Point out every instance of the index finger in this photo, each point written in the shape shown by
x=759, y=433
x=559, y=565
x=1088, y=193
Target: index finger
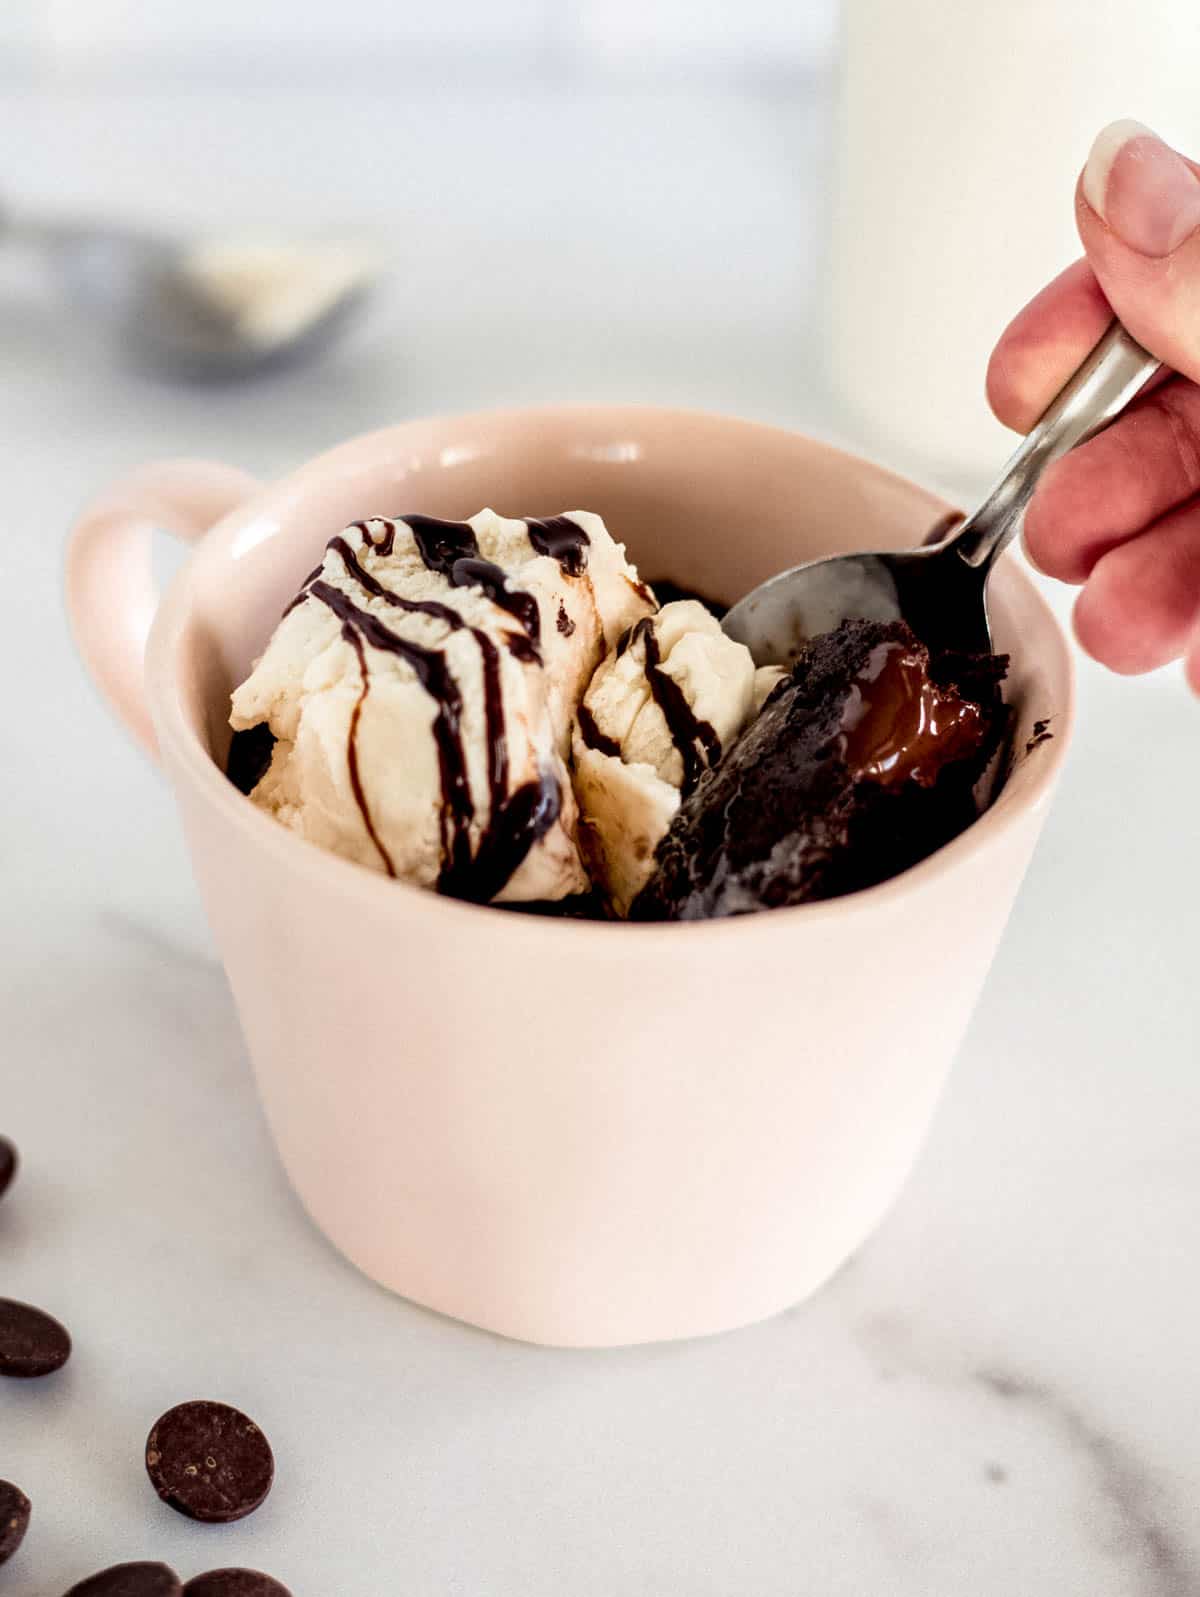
x=1044, y=343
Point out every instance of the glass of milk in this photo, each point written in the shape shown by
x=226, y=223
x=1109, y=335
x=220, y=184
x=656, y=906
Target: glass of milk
x=962, y=127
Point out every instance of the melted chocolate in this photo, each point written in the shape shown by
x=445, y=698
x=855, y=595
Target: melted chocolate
x=457, y=809
x=898, y=724
x=451, y=549
x=787, y=818
x=517, y=821
x=303, y=594
x=425, y=607
x=360, y=797
x=696, y=740
x=592, y=735
x=520, y=822
x=386, y=541
x=497, y=734
x=473, y=572
x=384, y=544
x=441, y=543
x=497, y=738
x=563, y=540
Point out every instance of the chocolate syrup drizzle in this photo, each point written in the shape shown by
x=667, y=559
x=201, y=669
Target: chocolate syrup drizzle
x=522, y=820
x=304, y=587
x=451, y=549
x=563, y=540
x=497, y=738
x=697, y=740
x=457, y=808
x=386, y=542
x=360, y=797
x=425, y=607
x=592, y=735
x=517, y=821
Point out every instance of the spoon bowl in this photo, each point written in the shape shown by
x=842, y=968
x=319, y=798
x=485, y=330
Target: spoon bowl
x=933, y=589
x=216, y=311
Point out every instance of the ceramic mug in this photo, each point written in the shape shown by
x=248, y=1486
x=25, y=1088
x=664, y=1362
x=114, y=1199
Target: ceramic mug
x=574, y=1133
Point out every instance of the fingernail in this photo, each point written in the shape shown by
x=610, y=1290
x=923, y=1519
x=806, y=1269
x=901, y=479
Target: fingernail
x=1147, y=194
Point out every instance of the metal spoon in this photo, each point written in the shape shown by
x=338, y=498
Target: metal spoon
x=940, y=590
x=200, y=310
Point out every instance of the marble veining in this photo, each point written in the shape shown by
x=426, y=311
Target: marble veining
x=1136, y=1521
x=1143, y=1527
x=146, y=937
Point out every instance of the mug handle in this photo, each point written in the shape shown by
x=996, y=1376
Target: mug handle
x=110, y=592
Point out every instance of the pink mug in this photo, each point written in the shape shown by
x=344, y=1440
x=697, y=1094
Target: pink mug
x=573, y=1133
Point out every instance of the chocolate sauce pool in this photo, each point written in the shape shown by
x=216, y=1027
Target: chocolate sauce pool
x=898, y=723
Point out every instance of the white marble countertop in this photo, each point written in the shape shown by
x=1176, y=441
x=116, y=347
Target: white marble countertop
x=996, y=1397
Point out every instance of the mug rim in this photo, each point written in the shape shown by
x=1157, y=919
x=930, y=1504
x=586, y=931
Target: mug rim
x=328, y=871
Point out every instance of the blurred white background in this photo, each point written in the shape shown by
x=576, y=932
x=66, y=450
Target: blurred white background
x=707, y=230
x=579, y=199
x=100, y=35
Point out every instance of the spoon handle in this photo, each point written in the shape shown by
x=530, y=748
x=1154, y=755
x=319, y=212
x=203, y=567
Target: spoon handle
x=1096, y=394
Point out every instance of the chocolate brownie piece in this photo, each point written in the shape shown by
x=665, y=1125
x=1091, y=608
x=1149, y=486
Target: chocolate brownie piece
x=861, y=763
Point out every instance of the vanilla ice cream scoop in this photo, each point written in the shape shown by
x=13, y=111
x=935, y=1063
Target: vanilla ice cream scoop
x=660, y=711
x=422, y=689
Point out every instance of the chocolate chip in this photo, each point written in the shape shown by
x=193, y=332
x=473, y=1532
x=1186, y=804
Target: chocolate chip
x=209, y=1462
x=31, y=1343
x=234, y=1583
x=14, y=1519
x=130, y=1580
x=8, y=1164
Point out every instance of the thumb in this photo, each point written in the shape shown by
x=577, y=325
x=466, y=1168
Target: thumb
x=1138, y=213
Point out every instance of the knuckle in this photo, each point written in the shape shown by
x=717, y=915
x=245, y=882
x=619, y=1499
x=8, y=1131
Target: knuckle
x=1180, y=411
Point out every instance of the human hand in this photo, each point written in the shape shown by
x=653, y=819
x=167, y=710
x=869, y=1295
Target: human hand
x=1121, y=514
